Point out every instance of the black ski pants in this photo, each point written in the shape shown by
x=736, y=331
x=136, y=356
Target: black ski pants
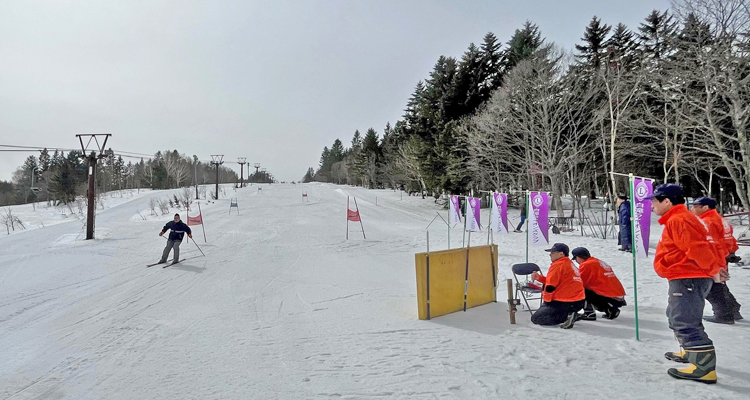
x=555, y=312
x=687, y=297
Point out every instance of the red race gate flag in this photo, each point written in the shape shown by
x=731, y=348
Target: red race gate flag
x=353, y=215
x=197, y=221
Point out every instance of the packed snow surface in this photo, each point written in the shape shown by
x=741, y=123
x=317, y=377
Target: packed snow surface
x=283, y=307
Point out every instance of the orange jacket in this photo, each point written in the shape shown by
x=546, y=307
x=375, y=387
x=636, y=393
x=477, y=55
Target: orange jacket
x=685, y=250
x=598, y=277
x=724, y=231
x=716, y=229
x=563, y=275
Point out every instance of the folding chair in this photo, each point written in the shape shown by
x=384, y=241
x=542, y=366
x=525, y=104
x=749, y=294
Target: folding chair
x=527, y=291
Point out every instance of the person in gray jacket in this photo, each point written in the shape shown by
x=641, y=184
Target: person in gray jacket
x=179, y=229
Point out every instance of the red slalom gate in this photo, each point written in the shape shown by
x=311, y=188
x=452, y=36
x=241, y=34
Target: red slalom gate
x=197, y=220
x=353, y=215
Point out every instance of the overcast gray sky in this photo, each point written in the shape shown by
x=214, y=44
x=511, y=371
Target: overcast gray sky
x=273, y=81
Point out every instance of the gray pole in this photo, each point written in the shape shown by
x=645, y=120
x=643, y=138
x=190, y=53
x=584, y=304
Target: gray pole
x=91, y=195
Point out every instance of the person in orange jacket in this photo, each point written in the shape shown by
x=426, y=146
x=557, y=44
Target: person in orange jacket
x=725, y=306
x=688, y=259
x=604, y=292
x=563, y=293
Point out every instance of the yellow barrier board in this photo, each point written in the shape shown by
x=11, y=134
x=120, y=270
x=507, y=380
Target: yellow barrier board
x=447, y=272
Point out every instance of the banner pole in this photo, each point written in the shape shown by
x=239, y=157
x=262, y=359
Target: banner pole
x=466, y=283
x=449, y=228
x=633, y=248
x=466, y=214
x=528, y=199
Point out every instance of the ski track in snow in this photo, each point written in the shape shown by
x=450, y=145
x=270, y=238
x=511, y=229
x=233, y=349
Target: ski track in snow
x=283, y=307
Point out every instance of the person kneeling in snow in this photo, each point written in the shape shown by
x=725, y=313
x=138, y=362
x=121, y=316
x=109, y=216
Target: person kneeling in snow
x=604, y=292
x=563, y=293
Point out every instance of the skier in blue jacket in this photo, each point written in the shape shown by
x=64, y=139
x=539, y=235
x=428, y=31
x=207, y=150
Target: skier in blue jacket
x=179, y=229
x=623, y=219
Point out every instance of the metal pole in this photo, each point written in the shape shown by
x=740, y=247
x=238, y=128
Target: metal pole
x=360, y=219
x=632, y=246
x=466, y=211
x=428, y=274
x=91, y=199
x=203, y=225
x=195, y=174
x=217, y=181
x=466, y=283
x=528, y=200
x=347, y=217
x=449, y=231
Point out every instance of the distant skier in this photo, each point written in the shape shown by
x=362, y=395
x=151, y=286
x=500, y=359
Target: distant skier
x=623, y=219
x=175, y=238
x=523, y=216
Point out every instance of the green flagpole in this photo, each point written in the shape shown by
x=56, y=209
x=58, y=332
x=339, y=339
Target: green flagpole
x=633, y=249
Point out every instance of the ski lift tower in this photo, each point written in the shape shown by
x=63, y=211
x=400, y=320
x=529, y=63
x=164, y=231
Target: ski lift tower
x=217, y=159
x=242, y=161
x=93, y=157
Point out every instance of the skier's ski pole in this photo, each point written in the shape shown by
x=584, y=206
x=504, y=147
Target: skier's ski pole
x=199, y=248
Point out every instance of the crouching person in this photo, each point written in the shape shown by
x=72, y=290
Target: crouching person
x=563, y=292
x=604, y=292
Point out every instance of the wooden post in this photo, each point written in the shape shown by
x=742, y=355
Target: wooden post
x=511, y=302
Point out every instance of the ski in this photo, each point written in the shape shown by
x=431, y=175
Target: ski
x=169, y=265
x=151, y=265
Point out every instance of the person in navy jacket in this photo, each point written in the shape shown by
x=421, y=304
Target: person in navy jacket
x=179, y=229
x=625, y=239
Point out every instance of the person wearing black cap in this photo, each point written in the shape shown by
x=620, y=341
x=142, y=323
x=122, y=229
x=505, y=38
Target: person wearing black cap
x=179, y=229
x=563, y=293
x=624, y=239
x=689, y=261
x=725, y=306
x=604, y=292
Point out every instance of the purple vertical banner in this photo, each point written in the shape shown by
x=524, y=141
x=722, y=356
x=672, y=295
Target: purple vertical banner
x=642, y=189
x=499, y=213
x=539, y=219
x=472, y=215
x=455, y=213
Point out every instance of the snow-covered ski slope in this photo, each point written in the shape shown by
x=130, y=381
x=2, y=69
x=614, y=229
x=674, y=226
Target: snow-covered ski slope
x=282, y=307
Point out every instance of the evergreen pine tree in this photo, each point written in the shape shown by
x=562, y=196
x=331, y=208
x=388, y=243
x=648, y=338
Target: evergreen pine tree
x=522, y=45
x=593, y=48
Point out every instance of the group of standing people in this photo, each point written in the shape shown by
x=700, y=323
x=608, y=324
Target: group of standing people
x=693, y=255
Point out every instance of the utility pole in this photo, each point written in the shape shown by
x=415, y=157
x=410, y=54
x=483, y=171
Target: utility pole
x=257, y=166
x=242, y=161
x=195, y=178
x=93, y=157
x=217, y=160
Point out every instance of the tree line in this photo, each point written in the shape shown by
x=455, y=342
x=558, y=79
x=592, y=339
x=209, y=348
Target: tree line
x=60, y=177
x=669, y=100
